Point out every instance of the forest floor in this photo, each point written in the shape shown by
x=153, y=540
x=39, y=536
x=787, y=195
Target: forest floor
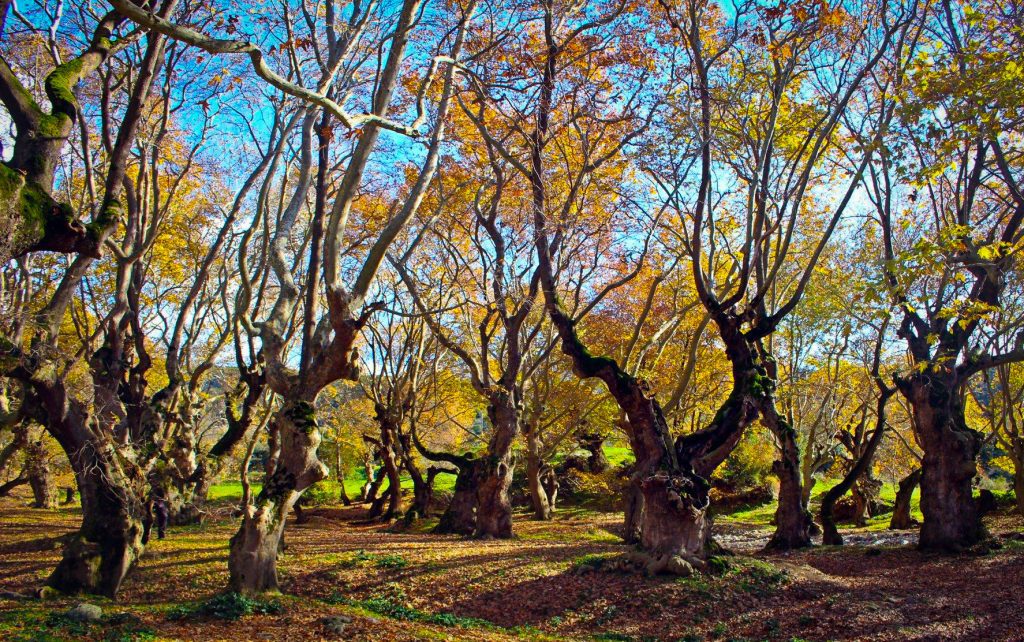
x=419, y=586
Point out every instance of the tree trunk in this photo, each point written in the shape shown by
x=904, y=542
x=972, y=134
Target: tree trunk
x=593, y=443
x=549, y=483
x=901, y=519
x=252, y=560
x=393, y=471
x=494, y=508
x=460, y=516
x=339, y=473
x=364, y=492
x=792, y=519
x=1018, y=487
x=634, y=510
x=371, y=489
x=423, y=493
x=538, y=496
x=861, y=504
x=675, y=521
x=40, y=477
x=97, y=557
x=8, y=486
x=952, y=521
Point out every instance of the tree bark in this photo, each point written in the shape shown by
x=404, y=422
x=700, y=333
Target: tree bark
x=494, y=508
x=633, y=509
x=542, y=508
x=460, y=516
x=339, y=473
x=252, y=560
x=393, y=470
x=952, y=521
x=594, y=444
x=901, y=519
x=97, y=557
x=1018, y=488
x=40, y=478
x=792, y=519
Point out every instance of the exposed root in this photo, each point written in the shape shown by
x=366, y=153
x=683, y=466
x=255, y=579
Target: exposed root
x=648, y=564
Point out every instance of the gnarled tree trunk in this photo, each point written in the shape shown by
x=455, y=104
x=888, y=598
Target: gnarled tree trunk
x=494, y=508
x=792, y=519
x=252, y=560
x=539, y=499
x=593, y=443
x=460, y=516
x=97, y=557
x=952, y=521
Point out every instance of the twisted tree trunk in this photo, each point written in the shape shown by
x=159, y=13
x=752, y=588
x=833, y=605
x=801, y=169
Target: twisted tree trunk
x=494, y=508
x=792, y=519
x=539, y=499
x=830, y=534
x=952, y=521
x=109, y=541
x=252, y=560
x=40, y=478
x=460, y=516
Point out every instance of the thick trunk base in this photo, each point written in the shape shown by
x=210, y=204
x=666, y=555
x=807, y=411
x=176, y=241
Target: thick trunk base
x=98, y=557
x=252, y=561
x=675, y=521
x=460, y=516
x=494, y=508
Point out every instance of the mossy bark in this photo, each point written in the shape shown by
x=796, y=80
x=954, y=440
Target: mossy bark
x=494, y=507
x=97, y=558
x=253, y=551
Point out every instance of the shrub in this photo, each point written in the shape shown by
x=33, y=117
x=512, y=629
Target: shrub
x=321, y=493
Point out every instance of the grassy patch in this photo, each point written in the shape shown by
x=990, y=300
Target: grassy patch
x=44, y=625
x=591, y=560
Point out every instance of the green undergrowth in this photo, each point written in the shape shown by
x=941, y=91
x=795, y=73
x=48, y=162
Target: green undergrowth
x=382, y=561
x=762, y=515
x=43, y=624
x=392, y=602
x=591, y=560
x=226, y=606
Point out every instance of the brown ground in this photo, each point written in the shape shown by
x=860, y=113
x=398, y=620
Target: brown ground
x=526, y=588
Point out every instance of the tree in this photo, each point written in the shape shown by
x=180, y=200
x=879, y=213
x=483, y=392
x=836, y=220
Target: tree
x=948, y=244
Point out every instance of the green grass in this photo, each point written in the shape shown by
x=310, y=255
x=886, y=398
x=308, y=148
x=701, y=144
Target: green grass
x=618, y=455
x=230, y=490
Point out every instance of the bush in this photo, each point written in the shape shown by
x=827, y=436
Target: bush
x=750, y=463
x=321, y=493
